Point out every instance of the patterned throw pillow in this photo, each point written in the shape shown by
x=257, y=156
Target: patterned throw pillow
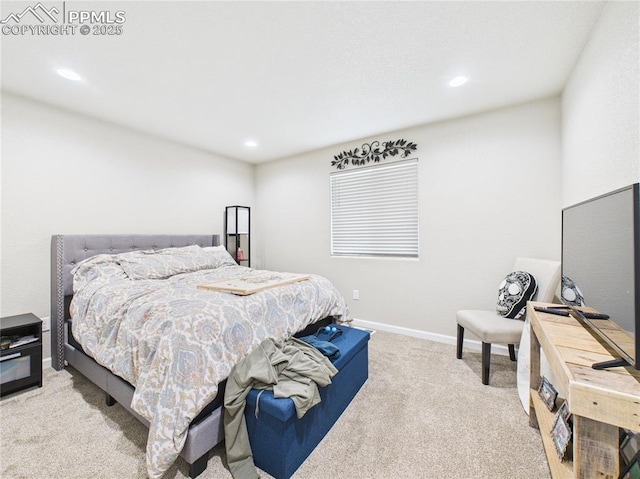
x=514, y=292
x=221, y=255
x=570, y=292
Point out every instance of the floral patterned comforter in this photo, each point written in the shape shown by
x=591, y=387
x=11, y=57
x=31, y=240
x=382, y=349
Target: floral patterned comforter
x=142, y=316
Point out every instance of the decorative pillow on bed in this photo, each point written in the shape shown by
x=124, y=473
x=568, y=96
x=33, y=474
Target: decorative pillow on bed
x=165, y=262
x=514, y=292
x=222, y=256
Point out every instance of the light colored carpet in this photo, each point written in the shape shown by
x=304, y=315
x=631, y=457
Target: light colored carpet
x=422, y=414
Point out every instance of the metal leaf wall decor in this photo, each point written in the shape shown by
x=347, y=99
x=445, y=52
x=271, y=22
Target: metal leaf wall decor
x=374, y=151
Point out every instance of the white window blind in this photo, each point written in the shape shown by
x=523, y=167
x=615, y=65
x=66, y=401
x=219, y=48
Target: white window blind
x=374, y=210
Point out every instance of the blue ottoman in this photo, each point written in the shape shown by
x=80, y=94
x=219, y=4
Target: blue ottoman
x=280, y=442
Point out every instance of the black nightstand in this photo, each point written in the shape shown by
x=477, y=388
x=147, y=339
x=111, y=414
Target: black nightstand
x=21, y=353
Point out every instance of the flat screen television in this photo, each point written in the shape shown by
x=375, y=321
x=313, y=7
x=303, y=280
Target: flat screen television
x=601, y=269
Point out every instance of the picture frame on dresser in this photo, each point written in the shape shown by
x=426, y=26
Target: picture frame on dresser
x=629, y=450
x=561, y=435
x=632, y=469
x=548, y=394
x=563, y=411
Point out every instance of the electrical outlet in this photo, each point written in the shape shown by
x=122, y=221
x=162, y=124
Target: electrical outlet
x=46, y=323
x=356, y=294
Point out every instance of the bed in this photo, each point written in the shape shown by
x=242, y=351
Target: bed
x=73, y=342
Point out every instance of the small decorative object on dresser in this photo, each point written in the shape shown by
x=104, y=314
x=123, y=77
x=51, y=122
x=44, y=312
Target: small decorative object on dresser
x=237, y=227
x=21, y=353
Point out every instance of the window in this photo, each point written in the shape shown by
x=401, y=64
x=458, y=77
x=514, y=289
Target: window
x=374, y=210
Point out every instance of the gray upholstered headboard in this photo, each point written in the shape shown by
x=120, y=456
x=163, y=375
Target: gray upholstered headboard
x=68, y=250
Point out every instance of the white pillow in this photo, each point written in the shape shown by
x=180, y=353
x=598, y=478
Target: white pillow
x=165, y=262
x=221, y=255
x=214, y=248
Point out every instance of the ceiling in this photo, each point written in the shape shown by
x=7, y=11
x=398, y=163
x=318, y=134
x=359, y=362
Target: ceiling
x=296, y=76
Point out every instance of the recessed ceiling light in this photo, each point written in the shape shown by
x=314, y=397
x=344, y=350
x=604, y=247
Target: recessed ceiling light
x=458, y=81
x=251, y=143
x=68, y=74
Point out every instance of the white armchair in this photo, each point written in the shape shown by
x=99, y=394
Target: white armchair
x=491, y=328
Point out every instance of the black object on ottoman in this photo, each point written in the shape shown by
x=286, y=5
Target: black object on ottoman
x=280, y=442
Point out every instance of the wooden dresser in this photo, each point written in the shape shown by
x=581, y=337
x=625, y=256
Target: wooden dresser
x=601, y=401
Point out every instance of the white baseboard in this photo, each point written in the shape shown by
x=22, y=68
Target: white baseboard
x=46, y=363
x=440, y=338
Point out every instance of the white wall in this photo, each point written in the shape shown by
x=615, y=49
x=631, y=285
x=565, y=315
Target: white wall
x=63, y=173
x=601, y=109
x=489, y=191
